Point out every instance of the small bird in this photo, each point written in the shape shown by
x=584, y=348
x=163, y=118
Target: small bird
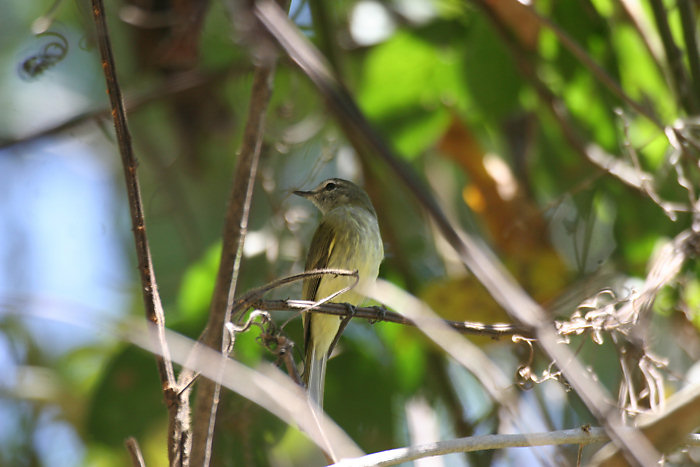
x=347, y=238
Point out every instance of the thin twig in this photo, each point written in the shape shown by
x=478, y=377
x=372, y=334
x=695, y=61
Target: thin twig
x=376, y=314
x=630, y=176
x=632, y=9
x=325, y=31
x=235, y=228
x=474, y=254
x=582, y=436
x=667, y=428
x=674, y=56
x=666, y=265
x=132, y=447
x=587, y=61
x=688, y=19
x=245, y=301
x=178, y=430
x=265, y=385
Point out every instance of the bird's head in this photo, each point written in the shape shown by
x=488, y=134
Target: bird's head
x=336, y=192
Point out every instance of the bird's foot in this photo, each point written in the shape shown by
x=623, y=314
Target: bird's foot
x=381, y=313
x=350, y=310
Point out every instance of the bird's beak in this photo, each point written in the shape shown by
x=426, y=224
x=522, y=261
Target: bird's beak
x=304, y=194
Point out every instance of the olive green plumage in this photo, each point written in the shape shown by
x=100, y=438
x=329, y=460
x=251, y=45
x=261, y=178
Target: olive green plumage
x=347, y=238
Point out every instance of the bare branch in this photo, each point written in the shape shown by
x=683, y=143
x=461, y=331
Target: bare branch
x=630, y=176
x=667, y=430
x=600, y=74
x=626, y=322
x=235, y=229
x=265, y=385
x=633, y=175
x=665, y=266
x=132, y=446
x=374, y=314
x=581, y=436
x=178, y=430
x=688, y=15
x=674, y=57
x=635, y=14
x=254, y=295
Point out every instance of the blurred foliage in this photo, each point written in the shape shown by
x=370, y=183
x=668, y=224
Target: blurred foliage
x=464, y=91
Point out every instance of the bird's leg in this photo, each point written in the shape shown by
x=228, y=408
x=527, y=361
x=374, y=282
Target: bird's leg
x=351, y=311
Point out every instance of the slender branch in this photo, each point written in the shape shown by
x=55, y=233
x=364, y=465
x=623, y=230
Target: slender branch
x=266, y=385
x=587, y=61
x=253, y=299
x=633, y=177
x=178, y=430
x=325, y=30
x=581, y=436
x=246, y=300
x=375, y=314
x=473, y=253
x=674, y=56
x=132, y=446
x=632, y=10
x=688, y=19
x=667, y=264
x=668, y=429
x=235, y=229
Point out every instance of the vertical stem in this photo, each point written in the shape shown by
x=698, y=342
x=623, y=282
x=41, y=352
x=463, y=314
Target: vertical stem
x=690, y=35
x=132, y=446
x=178, y=433
x=235, y=228
x=323, y=26
x=674, y=56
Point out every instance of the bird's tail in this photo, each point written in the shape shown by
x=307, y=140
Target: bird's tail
x=315, y=374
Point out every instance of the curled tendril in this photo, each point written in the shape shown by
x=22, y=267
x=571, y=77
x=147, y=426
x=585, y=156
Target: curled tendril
x=49, y=54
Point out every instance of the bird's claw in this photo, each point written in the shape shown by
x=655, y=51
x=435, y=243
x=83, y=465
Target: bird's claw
x=381, y=313
x=351, y=310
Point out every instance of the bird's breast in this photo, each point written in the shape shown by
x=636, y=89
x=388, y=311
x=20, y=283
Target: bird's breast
x=357, y=246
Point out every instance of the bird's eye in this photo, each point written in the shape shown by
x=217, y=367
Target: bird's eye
x=330, y=186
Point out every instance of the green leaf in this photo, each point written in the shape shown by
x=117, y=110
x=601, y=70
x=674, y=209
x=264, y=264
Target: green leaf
x=408, y=85
x=198, y=284
x=492, y=79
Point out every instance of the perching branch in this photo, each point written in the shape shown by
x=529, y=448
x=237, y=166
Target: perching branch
x=246, y=301
x=254, y=299
x=178, y=430
x=374, y=314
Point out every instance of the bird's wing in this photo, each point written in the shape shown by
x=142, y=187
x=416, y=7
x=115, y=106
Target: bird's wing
x=318, y=258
